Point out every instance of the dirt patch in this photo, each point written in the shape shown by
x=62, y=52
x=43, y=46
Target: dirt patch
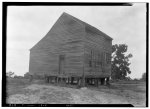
x=50, y=94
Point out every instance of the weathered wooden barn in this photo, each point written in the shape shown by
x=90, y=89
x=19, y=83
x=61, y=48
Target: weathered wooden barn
x=72, y=52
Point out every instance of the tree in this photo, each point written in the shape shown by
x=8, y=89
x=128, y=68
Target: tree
x=143, y=76
x=9, y=74
x=128, y=78
x=27, y=75
x=120, y=61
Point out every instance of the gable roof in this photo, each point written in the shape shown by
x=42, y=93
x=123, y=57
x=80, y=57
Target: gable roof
x=88, y=25
x=82, y=23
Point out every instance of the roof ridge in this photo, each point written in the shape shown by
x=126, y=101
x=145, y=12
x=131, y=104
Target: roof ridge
x=76, y=19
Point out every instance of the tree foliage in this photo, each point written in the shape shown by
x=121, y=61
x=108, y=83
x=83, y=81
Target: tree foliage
x=10, y=74
x=27, y=75
x=143, y=76
x=120, y=61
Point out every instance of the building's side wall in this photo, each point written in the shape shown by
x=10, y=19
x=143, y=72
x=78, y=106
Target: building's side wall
x=96, y=47
x=65, y=38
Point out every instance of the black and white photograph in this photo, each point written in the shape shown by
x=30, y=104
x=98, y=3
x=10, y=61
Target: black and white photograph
x=76, y=54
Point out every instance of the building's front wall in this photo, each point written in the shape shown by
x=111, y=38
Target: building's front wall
x=97, y=49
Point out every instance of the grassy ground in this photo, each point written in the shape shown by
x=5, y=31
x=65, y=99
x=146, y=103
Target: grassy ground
x=122, y=92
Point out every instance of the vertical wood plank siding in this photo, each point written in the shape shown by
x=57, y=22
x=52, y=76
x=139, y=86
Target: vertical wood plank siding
x=95, y=47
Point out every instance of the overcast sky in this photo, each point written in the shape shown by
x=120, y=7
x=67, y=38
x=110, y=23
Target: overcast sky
x=26, y=25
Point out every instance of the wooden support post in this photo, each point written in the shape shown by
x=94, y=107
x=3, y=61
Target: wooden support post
x=45, y=79
x=83, y=82
x=99, y=82
x=56, y=79
x=72, y=80
x=107, y=81
x=96, y=81
x=92, y=81
x=79, y=82
x=68, y=80
x=87, y=81
x=53, y=79
x=104, y=81
x=59, y=79
x=49, y=79
x=63, y=80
